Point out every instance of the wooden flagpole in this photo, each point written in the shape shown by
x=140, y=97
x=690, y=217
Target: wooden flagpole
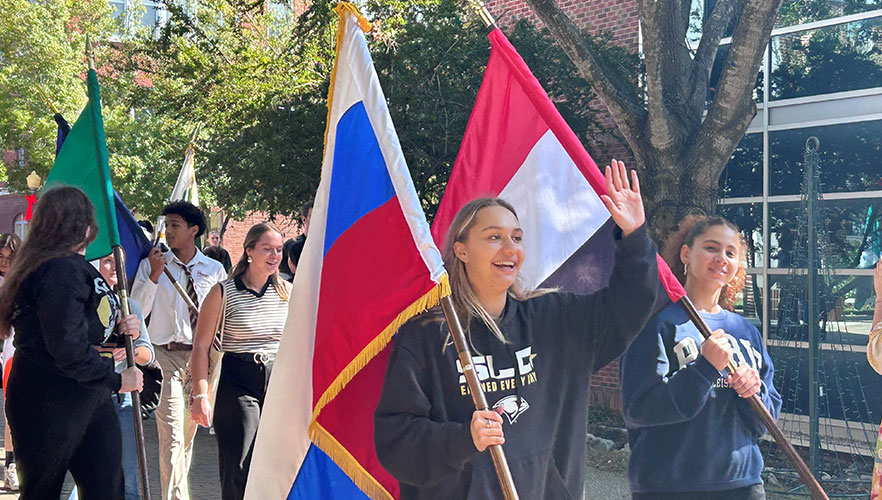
x=503, y=474
x=123, y=293
x=756, y=403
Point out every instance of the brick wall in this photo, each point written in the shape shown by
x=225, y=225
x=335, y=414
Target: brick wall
x=619, y=18
x=234, y=236
x=11, y=207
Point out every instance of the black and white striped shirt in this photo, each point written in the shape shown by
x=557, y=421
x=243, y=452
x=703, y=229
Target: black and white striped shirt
x=254, y=320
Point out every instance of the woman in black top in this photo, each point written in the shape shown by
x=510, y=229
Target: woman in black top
x=534, y=352
x=58, y=404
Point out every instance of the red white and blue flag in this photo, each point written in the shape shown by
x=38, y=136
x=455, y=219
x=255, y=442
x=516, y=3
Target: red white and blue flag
x=368, y=265
x=518, y=147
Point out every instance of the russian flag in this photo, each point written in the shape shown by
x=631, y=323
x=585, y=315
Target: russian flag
x=518, y=147
x=368, y=265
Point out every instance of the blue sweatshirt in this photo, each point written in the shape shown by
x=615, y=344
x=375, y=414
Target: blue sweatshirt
x=687, y=429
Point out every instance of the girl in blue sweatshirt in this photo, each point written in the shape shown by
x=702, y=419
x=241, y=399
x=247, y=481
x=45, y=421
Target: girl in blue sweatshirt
x=692, y=433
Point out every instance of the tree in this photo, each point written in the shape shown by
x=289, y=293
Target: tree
x=256, y=80
x=681, y=134
x=42, y=51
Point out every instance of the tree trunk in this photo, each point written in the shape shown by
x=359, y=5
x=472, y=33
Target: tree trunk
x=674, y=194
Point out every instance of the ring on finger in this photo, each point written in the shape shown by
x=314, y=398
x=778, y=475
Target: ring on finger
x=489, y=423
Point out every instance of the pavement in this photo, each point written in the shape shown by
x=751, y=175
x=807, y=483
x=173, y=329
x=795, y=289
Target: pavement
x=204, y=481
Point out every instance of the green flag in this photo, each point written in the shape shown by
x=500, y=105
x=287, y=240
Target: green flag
x=82, y=162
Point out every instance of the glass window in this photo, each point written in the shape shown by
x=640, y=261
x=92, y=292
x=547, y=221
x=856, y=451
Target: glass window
x=748, y=217
x=822, y=61
x=844, y=313
x=806, y=11
x=850, y=157
x=151, y=15
x=851, y=239
x=743, y=175
x=118, y=7
x=748, y=302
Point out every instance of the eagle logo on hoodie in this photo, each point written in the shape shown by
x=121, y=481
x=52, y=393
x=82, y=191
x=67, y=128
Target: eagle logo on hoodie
x=511, y=407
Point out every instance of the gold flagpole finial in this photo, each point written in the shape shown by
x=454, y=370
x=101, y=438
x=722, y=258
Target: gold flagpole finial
x=47, y=101
x=89, y=53
x=483, y=13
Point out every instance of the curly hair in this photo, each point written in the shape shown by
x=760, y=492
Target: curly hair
x=685, y=232
x=189, y=212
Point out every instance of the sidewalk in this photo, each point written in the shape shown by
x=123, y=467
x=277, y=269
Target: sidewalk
x=204, y=482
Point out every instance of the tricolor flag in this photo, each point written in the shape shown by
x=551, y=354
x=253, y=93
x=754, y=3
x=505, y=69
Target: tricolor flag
x=368, y=265
x=518, y=147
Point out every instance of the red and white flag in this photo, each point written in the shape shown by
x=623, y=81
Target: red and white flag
x=518, y=147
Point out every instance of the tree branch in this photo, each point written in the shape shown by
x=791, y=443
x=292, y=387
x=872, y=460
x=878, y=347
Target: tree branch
x=712, y=32
x=622, y=104
x=733, y=107
x=670, y=119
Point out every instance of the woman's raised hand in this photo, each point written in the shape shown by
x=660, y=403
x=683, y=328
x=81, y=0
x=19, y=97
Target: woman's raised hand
x=623, y=197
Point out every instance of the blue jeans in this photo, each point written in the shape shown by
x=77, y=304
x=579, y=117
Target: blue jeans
x=123, y=407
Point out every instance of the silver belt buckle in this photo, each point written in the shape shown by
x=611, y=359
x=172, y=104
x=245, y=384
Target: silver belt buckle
x=261, y=358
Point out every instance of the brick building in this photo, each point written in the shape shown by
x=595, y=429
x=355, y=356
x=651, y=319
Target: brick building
x=234, y=234
x=12, y=211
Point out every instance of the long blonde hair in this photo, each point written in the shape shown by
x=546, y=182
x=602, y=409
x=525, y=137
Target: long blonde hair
x=465, y=300
x=254, y=234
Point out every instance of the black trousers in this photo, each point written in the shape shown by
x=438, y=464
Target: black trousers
x=59, y=425
x=755, y=492
x=240, y=395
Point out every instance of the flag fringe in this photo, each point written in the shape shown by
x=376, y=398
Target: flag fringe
x=427, y=301
x=347, y=463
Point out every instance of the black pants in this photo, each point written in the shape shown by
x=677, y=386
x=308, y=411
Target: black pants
x=59, y=425
x=755, y=492
x=240, y=394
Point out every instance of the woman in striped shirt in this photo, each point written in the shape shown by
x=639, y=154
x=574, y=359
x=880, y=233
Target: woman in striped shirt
x=254, y=305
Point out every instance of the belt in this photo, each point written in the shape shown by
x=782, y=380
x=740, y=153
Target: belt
x=177, y=346
x=260, y=358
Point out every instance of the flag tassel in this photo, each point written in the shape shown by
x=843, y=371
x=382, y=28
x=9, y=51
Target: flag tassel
x=424, y=303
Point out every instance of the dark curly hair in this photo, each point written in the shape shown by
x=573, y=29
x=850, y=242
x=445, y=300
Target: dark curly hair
x=685, y=232
x=189, y=212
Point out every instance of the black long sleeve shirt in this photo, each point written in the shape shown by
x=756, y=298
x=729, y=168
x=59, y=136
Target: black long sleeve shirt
x=62, y=309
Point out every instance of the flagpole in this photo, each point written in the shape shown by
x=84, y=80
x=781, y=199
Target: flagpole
x=503, y=474
x=123, y=293
x=757, y=404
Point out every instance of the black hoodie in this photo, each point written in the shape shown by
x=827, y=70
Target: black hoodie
x=540, y=379
x=62, y=309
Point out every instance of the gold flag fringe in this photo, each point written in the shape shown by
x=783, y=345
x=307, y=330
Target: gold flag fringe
x=427, y=301
x=347, y=463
